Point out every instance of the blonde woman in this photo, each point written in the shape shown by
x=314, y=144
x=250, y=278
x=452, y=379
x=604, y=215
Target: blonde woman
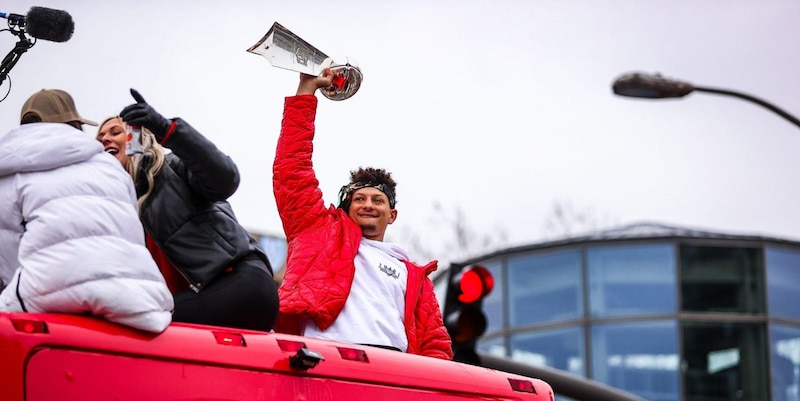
x=216, y=270
x=54, y=256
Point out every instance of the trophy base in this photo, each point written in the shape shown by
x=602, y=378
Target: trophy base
x=346, y=82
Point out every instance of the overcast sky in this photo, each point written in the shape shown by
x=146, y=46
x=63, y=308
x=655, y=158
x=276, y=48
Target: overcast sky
x=499, y=108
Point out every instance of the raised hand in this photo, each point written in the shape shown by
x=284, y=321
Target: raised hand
x=309, y=83
x=141, y=113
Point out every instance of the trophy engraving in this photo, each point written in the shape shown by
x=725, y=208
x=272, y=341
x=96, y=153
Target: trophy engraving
x=284, y=49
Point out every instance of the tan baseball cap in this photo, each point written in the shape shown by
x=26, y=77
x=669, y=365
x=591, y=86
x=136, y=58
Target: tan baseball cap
x=53, y=106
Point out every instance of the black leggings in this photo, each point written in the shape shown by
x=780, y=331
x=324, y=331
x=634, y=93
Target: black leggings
x=245, y=298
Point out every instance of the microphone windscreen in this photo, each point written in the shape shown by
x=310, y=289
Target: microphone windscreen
x=49, y=24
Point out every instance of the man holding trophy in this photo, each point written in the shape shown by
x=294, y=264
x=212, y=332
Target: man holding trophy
x=342, y=281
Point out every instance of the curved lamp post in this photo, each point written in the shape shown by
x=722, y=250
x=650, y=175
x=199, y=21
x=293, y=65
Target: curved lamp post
x=654, y=86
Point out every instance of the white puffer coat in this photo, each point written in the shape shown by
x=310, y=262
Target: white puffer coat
x=70, y=237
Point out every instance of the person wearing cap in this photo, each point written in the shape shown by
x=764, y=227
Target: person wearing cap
x=52, y=105
x=70, y=238
x=218, y=273
x=343, y=281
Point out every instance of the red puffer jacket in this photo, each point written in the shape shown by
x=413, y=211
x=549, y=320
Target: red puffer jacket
x=323, y=243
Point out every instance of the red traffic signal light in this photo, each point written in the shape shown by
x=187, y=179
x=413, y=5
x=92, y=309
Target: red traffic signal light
x=475, y=283
x=463, y=314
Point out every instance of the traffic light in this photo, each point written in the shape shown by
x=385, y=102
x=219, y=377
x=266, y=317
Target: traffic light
x=463, y=313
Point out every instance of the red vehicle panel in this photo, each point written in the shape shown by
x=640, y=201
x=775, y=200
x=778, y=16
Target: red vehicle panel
x=53, y=356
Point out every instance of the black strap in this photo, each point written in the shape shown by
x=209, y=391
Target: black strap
x=19, y=297
x=389, y=347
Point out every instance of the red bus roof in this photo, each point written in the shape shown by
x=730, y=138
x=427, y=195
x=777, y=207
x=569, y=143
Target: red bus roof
x=55, y=356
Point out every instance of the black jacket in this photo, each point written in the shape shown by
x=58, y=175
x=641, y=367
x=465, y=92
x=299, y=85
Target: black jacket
x=187, y=214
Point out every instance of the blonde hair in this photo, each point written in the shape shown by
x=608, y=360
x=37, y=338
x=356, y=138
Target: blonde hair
x=150, y=146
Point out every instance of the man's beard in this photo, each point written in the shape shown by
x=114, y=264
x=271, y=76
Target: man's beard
x=368, y=227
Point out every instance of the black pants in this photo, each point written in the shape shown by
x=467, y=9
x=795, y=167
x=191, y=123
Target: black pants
x=245, y=298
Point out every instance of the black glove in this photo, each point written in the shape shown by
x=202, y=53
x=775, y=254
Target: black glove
x=141, y=113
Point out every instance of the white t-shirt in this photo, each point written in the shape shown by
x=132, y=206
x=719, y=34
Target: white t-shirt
x=373, y=313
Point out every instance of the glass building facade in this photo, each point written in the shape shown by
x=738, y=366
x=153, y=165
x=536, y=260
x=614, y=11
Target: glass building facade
x=666, y=313
x=275, y=247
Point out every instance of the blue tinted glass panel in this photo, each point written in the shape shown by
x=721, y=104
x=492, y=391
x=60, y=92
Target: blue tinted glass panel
x=640, y=358
x=722, y=279
x=440, y=288
x=560, y=348
x=724, y=361
x=276, y=249
x=544, y=288
x=494, y=346
x=632, y=280
x=783, y=282
x=785, y=349
x=493, y=303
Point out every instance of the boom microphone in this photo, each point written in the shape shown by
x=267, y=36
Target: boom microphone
x=40, y=23
x=49, y=24
x=44, y=23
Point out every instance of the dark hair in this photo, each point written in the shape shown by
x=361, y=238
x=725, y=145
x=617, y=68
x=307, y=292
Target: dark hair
x=373, y=176
x=368, y=177
x=30, y=118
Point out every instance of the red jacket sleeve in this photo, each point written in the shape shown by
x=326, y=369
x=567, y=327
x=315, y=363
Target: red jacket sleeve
x=294, y=183
x=434, y=339
x=322, y=242
x=424, y=326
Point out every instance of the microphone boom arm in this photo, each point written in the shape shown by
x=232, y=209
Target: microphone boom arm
x=14, y=55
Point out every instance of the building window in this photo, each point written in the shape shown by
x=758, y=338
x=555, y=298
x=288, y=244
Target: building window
x=783, y=276
x=440, y=287
x=493, y=303
x=785, y=351
x=725, y=361
x=640, y=358
x=494, y=346
x=632, y=280
x=544, y=288
x=715, y=279
x=275, y=248
x=560, y=348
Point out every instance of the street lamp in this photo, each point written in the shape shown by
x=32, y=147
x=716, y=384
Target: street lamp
x=654, y=86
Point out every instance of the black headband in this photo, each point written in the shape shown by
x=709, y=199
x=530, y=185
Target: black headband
x=346, y=193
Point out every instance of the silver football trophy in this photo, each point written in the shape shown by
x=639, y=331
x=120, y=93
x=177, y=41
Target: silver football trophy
x=283, y=49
